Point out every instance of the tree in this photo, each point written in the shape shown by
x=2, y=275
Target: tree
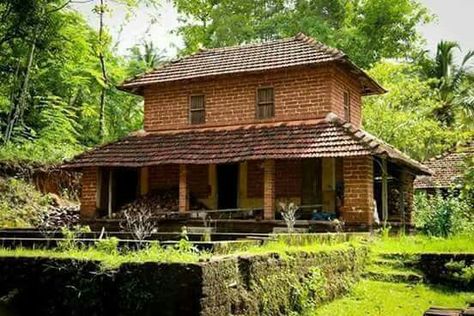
x=143, y=58
x=101, y=8
x=453, y=92
x=33, y=28
x=403, y=117
x=64, y=77
x=367, y=30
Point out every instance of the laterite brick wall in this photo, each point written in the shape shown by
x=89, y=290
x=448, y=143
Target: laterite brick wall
x=198, y=179
x=255, y=179
x=358, y=189
x=167, y=176
x=300, y=94
x=407, y=179
x=342, y=83
x=163, y=177
x=88, y=192
x=288, y=177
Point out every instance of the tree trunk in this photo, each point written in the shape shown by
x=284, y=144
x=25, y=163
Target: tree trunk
x=102, y=115
x=18, y=108
x=104, y=72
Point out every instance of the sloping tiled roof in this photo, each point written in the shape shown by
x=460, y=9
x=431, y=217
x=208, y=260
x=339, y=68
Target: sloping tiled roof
x=327, y=137
x=446, y=168
x=284, y=53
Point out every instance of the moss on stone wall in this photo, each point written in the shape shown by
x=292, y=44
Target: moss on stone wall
x=266, y=284
x=276, y=284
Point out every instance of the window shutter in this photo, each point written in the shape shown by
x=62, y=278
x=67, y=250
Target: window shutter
x=265, y=103
x=197, y=109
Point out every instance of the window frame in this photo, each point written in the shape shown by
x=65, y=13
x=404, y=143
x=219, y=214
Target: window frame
x=347, y=107
x=258, y=104
x=191, y=110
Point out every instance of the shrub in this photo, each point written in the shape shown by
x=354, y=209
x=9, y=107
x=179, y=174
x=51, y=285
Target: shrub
x=20, y=203
x=443, y=215
x=70, y=237
x=108, y=245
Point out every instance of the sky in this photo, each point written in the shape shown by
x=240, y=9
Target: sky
x=454, y=21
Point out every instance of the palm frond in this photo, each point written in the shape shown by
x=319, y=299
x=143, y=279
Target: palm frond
x=467, y=57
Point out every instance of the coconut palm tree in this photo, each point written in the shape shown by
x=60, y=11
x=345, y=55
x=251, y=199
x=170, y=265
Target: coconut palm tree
x=453, y=90
x=145, y=57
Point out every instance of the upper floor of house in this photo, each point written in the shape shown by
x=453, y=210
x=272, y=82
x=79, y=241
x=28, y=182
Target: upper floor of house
x=292, y=79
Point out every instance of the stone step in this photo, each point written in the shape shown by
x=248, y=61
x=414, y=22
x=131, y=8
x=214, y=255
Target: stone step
x=393, y=275
x=393, y=263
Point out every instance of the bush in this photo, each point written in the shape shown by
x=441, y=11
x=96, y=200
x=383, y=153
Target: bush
x=443, y=216
x=20, y=203
x=108, y=245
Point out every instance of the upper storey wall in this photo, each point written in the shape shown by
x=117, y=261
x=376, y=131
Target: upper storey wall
x=299, y=94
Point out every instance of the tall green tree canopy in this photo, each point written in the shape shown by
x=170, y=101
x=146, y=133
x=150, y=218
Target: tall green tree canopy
x=404, y=116
x=367, y=30
x=51, y=81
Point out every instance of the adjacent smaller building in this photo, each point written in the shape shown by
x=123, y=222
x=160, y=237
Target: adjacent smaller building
x=447, y=169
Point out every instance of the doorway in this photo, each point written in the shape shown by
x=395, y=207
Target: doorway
x=312, y=182
x=227, y=186
x=126, y=186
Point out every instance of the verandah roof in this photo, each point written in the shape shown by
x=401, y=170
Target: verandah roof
x=328, y=137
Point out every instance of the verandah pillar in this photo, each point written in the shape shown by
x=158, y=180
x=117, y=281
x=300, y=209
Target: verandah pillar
x=358, y=173
x=90, y=193
x=269, y=189
x=144, y=180
x=183, y=189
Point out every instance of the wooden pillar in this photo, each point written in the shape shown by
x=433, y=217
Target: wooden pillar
x=144, y=182
x=269, y=189
x=110, y=193
x=242, y=202
x=384, y=191
x=213, y=186
x=183, y=189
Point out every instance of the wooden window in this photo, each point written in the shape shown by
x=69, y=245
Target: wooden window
x=265, y=103
x=197, y=112
x=347, y=106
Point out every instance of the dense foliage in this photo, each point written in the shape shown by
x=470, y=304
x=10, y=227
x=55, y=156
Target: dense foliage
x=404, y=116
x=444, y=216
x=20, y=205
x=366, y=30
x=52, y=81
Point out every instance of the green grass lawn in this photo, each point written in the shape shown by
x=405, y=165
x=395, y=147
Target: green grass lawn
x=370, y=298
x=423, y=244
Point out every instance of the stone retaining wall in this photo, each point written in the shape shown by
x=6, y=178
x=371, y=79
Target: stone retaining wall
x=451, y=269
x=267, y=284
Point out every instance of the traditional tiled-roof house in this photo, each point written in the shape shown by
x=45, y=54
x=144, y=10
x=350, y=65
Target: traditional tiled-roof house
x=447, y=169
x=245, y=127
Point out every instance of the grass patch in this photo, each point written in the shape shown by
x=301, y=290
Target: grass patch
x=423, y=244
x=183, y=252
x=281, y=247
x=111, y=260
x=385, y=298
